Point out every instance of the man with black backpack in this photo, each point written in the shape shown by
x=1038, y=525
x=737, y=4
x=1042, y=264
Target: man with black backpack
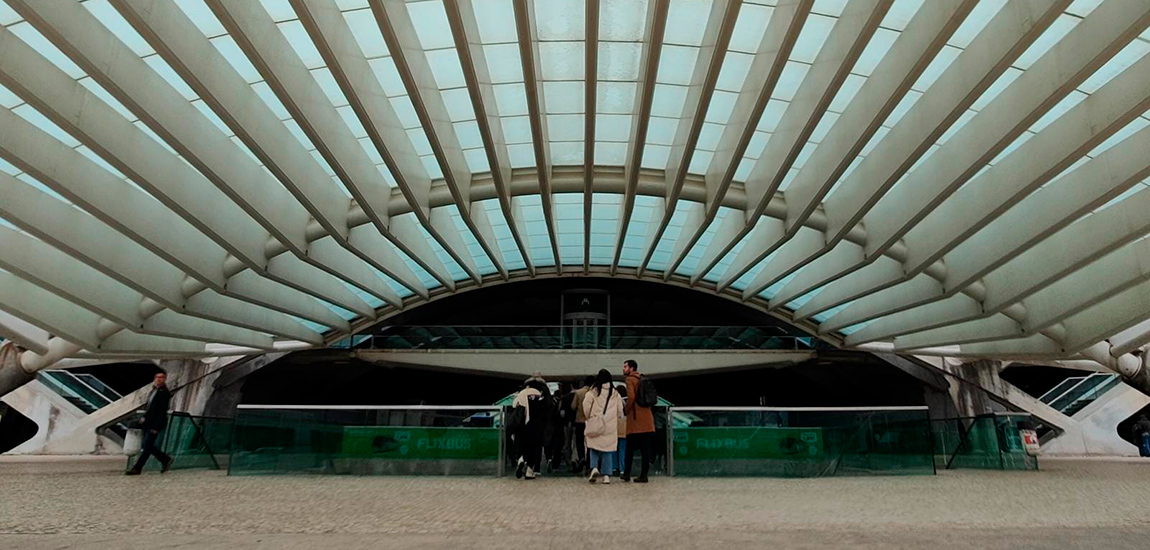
x=640, y=419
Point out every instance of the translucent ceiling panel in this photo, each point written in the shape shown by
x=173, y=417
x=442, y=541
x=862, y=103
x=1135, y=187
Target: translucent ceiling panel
x=498, y=38
x=453, y=269
x=482, y=262
x=647, y=211
x=770, y=291
x=561, y=30
x=823, y=316
x=604, y=226
x=371, y=299
x=569, y=225
x=622, y=28
x=504, y=239
x=724, y=263
x=538, y=241
x=433, y=30
x=662, y=254
x=690, y=262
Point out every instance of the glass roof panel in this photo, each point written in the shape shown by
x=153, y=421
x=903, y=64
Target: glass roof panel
x=298, y=39
x=562, y=60
x=619, y=61
x=610, y=153
x=685, y=22
x=561, y=20
x=612, y=127
x=677, y=65
x=563, y=97
x=560, y=28
x=431, y=25
x=365, y=30
x=622, y=20
x=749, y=28
x=496, y=21
x=569, y=225
x=615, y=97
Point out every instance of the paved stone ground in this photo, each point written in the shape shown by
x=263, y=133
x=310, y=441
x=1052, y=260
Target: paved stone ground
x=87, y=504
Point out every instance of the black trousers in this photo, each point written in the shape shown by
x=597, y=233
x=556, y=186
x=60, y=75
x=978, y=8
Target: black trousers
x=581, y=442
x=641, y=443
x=148, y=448
x=531, y=446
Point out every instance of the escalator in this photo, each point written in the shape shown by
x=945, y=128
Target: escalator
x=86, y=392
x=1075, y=393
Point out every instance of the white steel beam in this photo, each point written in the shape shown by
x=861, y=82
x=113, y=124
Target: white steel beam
x=53, y=270
x=783, y=28
x=717, y=33
x=1054, y=76
x=1044, y=310
x=353, y=74
x=136, y=154
x=465, y=30
x=415, y=71
x=183, y=46
x=1039, y=216
x=1071, y=249
x=98, y=245
x=832, y=65
x=590, y=108
x=79, y=326
x=537, y=111
x=25, y=334
x=144, y=92
x=656, y=25
x=124, y=206
x=910, y=55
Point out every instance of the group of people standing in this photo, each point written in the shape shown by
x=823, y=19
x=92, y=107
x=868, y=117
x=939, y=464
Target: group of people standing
x=596, y=427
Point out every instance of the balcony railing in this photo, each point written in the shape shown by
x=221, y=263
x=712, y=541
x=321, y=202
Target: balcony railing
x=566, y=337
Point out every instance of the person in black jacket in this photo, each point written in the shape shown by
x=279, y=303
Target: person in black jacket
x=155, y=420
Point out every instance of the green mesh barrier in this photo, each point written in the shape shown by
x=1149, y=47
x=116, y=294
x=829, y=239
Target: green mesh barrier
x=801, y=442
x=983, y=442
x=194, y=442
x=366, y=441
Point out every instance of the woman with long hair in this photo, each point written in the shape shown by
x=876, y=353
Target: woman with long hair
x=603, y=407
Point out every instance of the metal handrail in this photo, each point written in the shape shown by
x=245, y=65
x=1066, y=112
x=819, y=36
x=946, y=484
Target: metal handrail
x=368, y=407
x=802, y=409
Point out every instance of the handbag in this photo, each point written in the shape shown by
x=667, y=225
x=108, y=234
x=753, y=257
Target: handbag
x=597, y=425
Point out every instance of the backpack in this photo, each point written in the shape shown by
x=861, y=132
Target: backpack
x=647, y=396
x=597, y=424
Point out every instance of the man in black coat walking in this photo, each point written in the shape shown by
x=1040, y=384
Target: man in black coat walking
x=155, y=420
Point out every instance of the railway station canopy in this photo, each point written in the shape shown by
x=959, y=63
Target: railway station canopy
x=194, y=177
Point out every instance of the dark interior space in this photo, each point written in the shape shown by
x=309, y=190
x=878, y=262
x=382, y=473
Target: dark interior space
x=841, y=379
x=15, y=428
x=537, y=303
x=122, y=377
x=1126, y=427
x=1037, y=380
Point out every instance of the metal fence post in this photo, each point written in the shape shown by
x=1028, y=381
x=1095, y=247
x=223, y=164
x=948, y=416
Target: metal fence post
x=670, y=443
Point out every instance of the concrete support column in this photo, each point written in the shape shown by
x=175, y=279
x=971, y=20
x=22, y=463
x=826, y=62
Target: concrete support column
x=12, y=373
x=977, y=381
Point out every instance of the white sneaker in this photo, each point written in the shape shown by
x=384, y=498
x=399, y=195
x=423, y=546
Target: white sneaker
x=606, y=480
x=530, y=473
x=594, y=475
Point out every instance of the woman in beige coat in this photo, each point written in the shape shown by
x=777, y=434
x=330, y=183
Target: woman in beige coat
x=603, y=407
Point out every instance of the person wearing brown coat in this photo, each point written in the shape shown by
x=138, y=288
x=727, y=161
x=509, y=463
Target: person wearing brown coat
x=640, y=425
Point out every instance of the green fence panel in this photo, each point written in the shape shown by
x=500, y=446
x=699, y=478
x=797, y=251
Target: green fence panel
x=800, y=442
x=367, y=441
x=194, y=442
x=991, y=441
